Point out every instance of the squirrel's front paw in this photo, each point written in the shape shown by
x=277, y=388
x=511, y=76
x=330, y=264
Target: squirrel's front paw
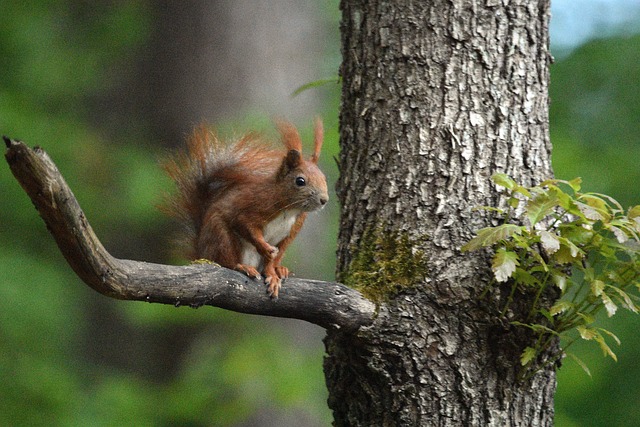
x=269, y=252
x=273, y=251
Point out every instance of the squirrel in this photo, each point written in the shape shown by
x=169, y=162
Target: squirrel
x=241, y=204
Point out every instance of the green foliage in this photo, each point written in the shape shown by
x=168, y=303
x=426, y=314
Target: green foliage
x=585, y=245
x=385, y=263
x=315, y=84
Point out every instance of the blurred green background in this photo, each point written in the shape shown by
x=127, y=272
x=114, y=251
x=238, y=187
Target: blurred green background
x=108, y=88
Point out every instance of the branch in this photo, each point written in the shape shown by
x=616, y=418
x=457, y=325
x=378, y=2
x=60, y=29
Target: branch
x=328, y=304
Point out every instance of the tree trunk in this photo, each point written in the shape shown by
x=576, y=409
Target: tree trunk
x=437, y=96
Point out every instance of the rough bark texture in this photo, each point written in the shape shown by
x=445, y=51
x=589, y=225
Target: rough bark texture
x=437, y=96
x=330, y=305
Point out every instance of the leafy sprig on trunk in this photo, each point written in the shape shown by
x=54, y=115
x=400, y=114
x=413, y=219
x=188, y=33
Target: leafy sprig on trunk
x=584, y=245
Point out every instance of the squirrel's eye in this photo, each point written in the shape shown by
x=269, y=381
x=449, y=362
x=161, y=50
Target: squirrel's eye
x=300, y=181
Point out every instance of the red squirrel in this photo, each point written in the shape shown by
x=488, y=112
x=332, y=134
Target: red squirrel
x=243, y=203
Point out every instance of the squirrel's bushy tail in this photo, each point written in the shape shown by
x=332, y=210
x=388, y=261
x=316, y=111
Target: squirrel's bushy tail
x=195, y=171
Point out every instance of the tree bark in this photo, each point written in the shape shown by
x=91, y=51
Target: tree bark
x=437, y=96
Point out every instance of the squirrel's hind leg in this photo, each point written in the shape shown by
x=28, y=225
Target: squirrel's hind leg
x=273, y=280
x=282, y=271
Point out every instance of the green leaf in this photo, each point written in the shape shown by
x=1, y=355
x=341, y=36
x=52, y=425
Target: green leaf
x=527, y=355
x=589, y=212
x=597, y=287
x=589, y=273
x=606, y=350
x=491, y=235
x=565, y=201
x=525, y=277
x=600, y=202
x=560, y=307
x=611, y=334
x=314, y=84
x=520, y=189
x=549, y=241
x=513, y=202
x=540, y=206
x=504, y=264
x=576, y=234
x=586, y=333
x=609, y=305
x=548, y=182
x=561, y=281
x=503, y=180
x=540, y=329
x=628, y=226
x=621, y=236
x=588, y=319
x=580, y=363
x=547, y=315
x=575, y=184
x=597, y=204
x=568, y=252
x=626, y=299
x=542, y=265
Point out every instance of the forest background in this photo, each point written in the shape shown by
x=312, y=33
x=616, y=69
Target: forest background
x=109, y=88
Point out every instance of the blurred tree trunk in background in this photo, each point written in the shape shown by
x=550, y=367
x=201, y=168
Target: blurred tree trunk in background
x=216, y=61
x=437, y=96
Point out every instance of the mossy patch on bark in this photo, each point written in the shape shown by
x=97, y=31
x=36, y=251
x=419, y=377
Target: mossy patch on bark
x=385, y=263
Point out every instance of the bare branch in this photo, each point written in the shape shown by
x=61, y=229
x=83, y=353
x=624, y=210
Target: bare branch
x=328, y=304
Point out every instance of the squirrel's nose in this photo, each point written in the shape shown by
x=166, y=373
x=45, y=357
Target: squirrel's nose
x=324, y=200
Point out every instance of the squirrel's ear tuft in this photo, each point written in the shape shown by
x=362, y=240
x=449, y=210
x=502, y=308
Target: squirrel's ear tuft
x=318, y=136
x=290, y=137
x=293, y=159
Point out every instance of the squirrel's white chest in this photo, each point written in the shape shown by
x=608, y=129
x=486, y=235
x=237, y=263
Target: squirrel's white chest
x=280, y=227
x=274, y=232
